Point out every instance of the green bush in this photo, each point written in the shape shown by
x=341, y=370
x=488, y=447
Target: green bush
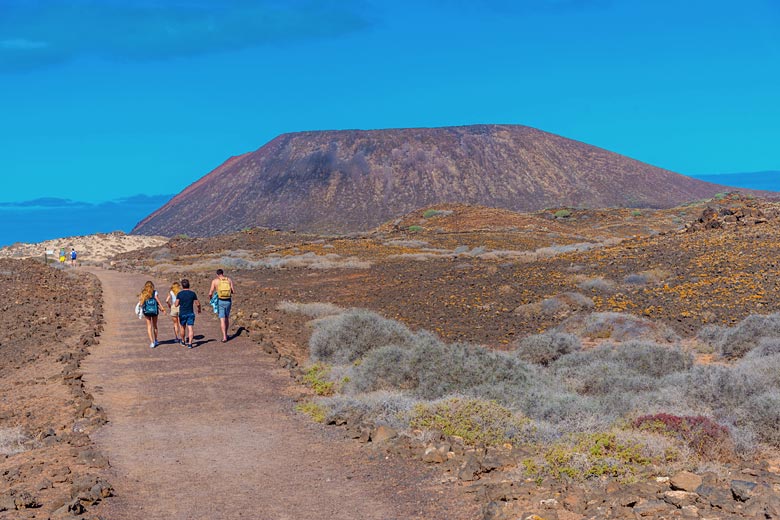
x=313, y=410
x=316, y=378
x=562, y=213
x=592, y=455
x=636, y=213
x=415, y=229
x=476, y=421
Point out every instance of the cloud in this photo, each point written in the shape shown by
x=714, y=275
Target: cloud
x=35, y=33
x=44, y=202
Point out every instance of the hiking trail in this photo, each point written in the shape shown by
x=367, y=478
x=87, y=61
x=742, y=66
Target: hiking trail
x=210, y=433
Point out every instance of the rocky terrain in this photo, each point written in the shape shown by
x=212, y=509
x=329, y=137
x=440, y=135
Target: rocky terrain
x=49, y=467
x=91, y=249
x=345, y=181
x=496, y=278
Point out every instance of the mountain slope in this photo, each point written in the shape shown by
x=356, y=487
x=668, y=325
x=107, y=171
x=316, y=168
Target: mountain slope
x=341, y=181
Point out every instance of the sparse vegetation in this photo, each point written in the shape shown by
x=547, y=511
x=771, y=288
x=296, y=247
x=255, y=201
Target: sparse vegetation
x=313, y=310
x=543, y=349
x=562, y=213
x=316, y=411
x=703, y=435
x=735, y=342
x=429, y=213
x=415, y=229
x=11, y=441
x=584, y=456
x=347, y=337
x=316, y=377
x=476, y=421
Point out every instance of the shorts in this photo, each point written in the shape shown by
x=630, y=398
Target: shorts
x=174, y=312
x=223, y=308
x=187, y=319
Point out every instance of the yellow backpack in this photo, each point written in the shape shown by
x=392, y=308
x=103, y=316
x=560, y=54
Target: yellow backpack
x=223, y=289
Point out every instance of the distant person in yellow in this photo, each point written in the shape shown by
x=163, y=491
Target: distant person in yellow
x=62, y=255
x=223, y=287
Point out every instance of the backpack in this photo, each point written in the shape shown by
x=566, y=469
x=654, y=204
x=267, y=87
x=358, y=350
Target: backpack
x=223, y=289
x=150, y=307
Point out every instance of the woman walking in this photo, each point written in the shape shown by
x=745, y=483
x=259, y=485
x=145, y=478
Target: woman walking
x=151, y=307
x=178, y=330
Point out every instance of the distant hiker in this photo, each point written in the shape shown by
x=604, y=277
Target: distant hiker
x=186, y=301
x=73, y=257
x=178, y=330
x=151, y=308
x=222, y=286
x=62, y=255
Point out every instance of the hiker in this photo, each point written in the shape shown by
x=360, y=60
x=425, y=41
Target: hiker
x=222, y=286
x=150, y=307
x=62, y=255
x=178, y=330
x=186, y=301
x=73, y=257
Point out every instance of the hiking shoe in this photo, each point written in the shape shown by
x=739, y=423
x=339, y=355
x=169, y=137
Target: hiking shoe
x=152, y=344
x=189, y=345
x=156, y=343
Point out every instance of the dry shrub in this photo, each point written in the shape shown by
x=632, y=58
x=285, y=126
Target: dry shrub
x=12, y=441
x=616, y=326
x=558, y=306
x=347, y=337
x=735, y=342
x=430, y=369
x=597, y=284
x=543, y=349
x=648, y=277
x=312, y=310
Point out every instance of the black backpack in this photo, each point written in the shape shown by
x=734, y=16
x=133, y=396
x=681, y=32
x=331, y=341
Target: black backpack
x=150, y=307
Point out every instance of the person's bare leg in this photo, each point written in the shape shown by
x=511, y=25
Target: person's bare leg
x=150, y=329
x=223, y=322
x=176, y=334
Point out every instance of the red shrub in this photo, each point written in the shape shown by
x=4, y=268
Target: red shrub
x=706, y=437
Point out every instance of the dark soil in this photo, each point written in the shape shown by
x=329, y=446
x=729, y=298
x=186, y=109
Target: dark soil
x=49, y=318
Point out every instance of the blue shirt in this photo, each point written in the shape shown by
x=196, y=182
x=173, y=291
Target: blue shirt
x=186, y=300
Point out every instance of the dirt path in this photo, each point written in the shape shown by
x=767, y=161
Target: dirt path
x=209, y=433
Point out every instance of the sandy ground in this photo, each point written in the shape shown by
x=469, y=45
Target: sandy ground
x=210, y=433
x=90, y=249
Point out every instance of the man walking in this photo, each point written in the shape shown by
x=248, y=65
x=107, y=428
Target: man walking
x=223, y=287
x=187, y=301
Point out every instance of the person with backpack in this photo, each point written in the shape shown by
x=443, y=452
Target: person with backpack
x=186, y=301
x=222, y=286
x=73, y=257
x=151, y=308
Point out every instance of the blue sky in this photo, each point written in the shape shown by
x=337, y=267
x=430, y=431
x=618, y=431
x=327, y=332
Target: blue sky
x=105, y=99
